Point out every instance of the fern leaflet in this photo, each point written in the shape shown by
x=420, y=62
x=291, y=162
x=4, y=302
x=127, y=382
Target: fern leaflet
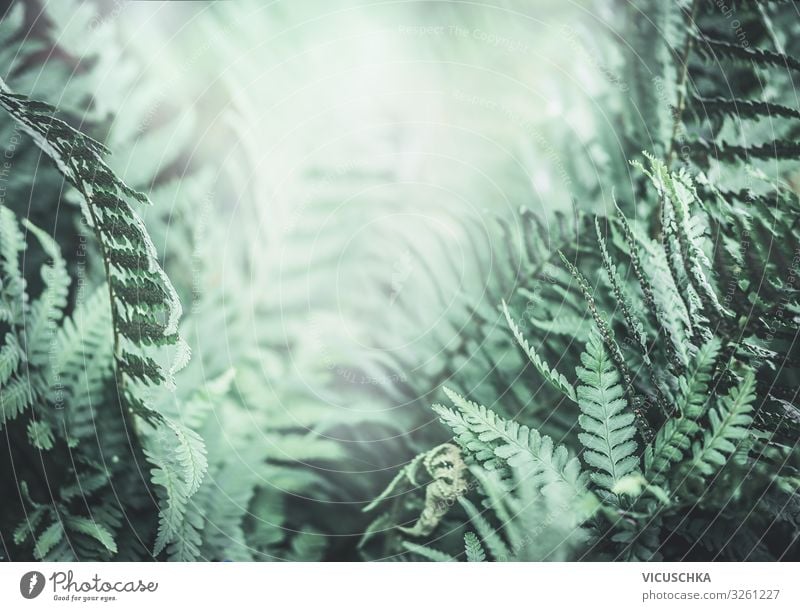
x=609, y=429
x=730, y=422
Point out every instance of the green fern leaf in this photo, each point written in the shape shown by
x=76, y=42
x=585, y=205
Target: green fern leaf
x=730, y=423
x=674, y=438
x=50, y=537
x=613, y=347
x=42, y=323
x=434, y=555
x=488, y=535
x=702, y=150
x=40, y=435
x=9, y=358
x=93, y=529
x=26, y=528
x=742, y=109
x=173, y=501
x=145, y=329
x=15, y=397
x=473, y=548
x=186, y=543
x=499, y=444
x=679, y=192
x=648, y=293
x=12, y=289
x=609, y=430
x=190, y=454
x=83, y=360
x=712, y=49
x=557, y=380
x=407, y=473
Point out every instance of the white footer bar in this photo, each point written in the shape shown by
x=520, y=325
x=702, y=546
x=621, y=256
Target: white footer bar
x=403, y=586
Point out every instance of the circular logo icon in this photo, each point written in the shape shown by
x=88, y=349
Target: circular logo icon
x=31, y=584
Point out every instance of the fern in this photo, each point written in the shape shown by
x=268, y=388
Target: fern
x=616, y=353
x=10, y=355
x=713, y=48
x=743, y=108
x=175, y=496
x=730, y=422
x=15, y=399
x=691, y=307
x=190, y=454
x=550, y=374
x=143, y=328
x=446, y=470
x=49, y=538
x=609, y=432
x=40, y=435
x=488, y=536
x=500, y=444
x=428, y=553
x=139, y=326
x=13, y=288
x=46, y=312
x=674, y=438
x=473, y=548
x=83, y=359
x=94, y=530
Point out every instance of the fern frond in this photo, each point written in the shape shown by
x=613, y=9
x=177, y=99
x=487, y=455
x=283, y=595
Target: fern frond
x=636, y=326
x=48, y=539
x=674, y=313
x=702, y=151
x=125, y=244
x=179, y=464
x=730, y=422
x=83, y=359
x=713, y=49
x=15, y=398
x=499, y=444
x=487, y=534
x=609, y=430
x=613, y=347
x=10, y=355
x=173, y=499
x=743, y=108
x=40, y=435
x=678, y=192
x=646, y=286
x=405, y=474
x=556, y=379
x=448, y=472
x=190, y=454
x=186, y=544
x=46, y=311
x=93, y=529
x=434, y=555
x=26, y=529
x=12, y=288
x=674, y=437
x=473, y=548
